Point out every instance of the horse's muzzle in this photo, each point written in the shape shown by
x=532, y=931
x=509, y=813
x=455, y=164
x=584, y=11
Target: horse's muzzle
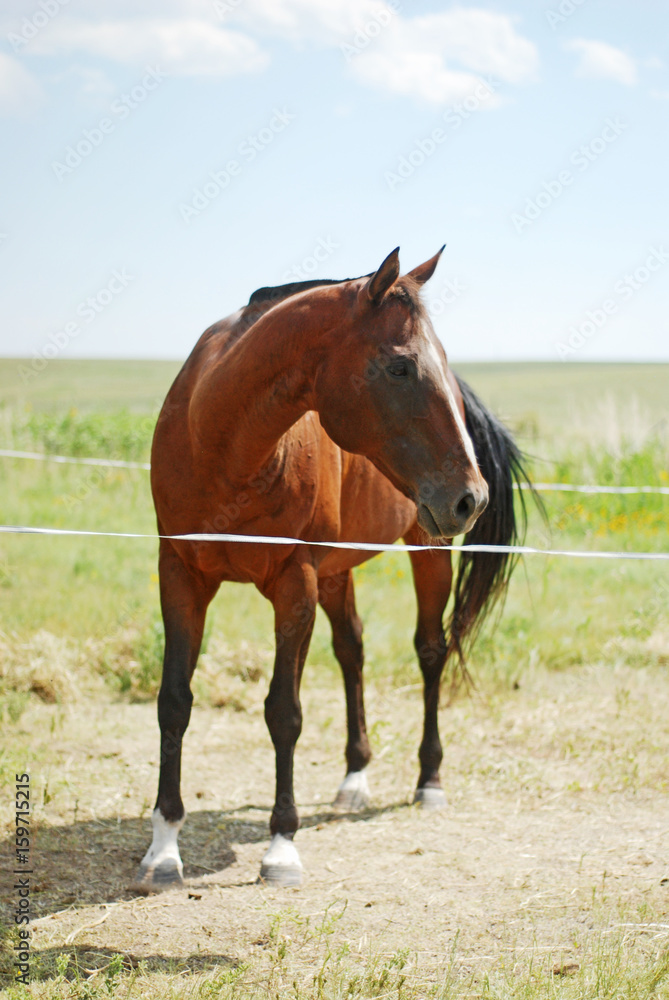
x=452, y=517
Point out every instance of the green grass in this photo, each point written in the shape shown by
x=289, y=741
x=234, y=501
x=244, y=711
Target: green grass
x=88, y=385
x=559, y=612
x=546, y=403
x=119, y=434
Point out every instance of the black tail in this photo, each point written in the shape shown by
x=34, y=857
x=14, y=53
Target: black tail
x=482, y=577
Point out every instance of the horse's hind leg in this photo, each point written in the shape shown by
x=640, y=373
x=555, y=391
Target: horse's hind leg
x=432, y=575
x=337, y=599
x=184, y=600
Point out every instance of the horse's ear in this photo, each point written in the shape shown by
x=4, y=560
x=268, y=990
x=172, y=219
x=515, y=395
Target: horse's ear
x=384, y=278
x=424, y=272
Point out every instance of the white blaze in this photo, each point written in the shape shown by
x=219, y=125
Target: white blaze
x=459, y=422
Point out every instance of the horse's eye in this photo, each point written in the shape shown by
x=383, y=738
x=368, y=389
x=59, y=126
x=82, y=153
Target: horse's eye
x=398, y=370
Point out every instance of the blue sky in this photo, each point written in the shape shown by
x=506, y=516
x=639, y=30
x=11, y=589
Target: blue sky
x=531, y=137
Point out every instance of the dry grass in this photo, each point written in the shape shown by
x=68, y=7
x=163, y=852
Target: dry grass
x=45, y=665
x=545, y=876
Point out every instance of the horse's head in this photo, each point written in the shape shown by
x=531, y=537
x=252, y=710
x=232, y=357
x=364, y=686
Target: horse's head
x=385, y=392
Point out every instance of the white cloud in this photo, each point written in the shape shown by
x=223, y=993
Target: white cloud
x=480, y=40
x=20, y=93
x=437, y=58
x=404, y=55
x=187, y=47
x=604, y=61
x=327, y=21
x=415, y=74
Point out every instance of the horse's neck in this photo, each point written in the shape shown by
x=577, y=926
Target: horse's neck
x=249, y=399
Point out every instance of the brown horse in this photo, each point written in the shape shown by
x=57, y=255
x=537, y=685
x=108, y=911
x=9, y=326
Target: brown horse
x=323, y=411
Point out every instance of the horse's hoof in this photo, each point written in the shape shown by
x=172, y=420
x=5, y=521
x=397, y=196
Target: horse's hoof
x=161, y=866
x=281, y=865
x=353, y=793
x=166, y=874
x=430, y=798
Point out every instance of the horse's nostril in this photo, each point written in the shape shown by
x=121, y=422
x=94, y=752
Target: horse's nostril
x=465, y=506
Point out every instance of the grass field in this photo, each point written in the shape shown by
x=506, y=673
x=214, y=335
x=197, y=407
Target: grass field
x=571, y=680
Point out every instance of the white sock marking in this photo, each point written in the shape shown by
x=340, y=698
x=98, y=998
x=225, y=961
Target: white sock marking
x=281, y=853
x=355, y=781
x=164, y=846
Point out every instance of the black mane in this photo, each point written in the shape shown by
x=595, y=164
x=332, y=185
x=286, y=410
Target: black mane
x=276, y=292
x=404, y=288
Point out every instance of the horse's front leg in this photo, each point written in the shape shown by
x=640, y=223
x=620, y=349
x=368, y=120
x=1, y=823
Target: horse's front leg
x=294, y=597
x=432, y=579
x=184, y=600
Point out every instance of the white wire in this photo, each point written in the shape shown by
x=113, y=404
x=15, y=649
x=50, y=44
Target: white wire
x=541, y=487
x=364, y=546
x=582, y=488
x=37, y=456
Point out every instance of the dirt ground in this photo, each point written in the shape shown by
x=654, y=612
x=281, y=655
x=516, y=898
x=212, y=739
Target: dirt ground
x=555, y=834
